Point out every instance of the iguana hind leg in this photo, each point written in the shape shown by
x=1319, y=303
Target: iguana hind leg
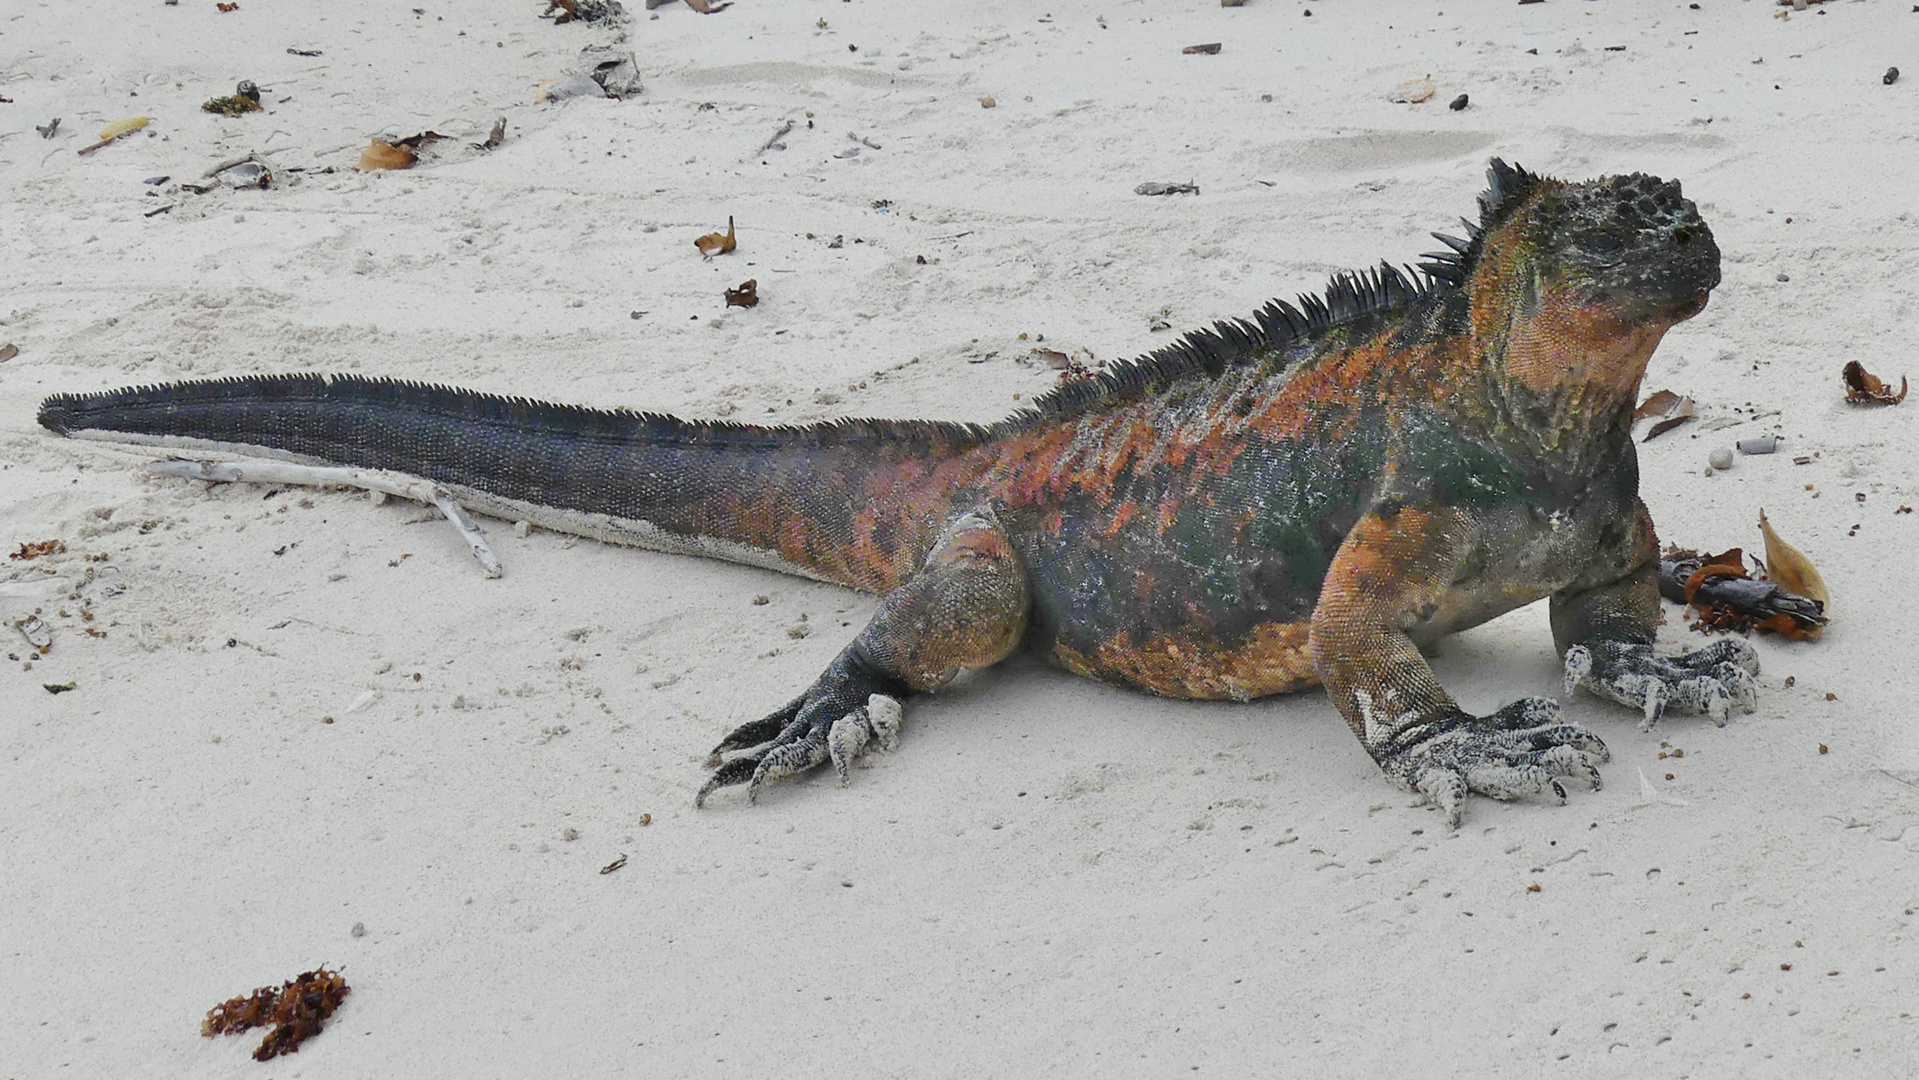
x=965, y=608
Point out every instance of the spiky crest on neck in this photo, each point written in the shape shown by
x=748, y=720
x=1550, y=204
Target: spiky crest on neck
x=1507, y=189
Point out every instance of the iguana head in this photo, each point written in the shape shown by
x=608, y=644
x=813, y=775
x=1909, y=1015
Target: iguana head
x=1573, y=285
x=1633, y=244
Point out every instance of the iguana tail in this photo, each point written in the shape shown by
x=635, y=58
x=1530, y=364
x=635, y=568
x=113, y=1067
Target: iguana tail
x=857, y=502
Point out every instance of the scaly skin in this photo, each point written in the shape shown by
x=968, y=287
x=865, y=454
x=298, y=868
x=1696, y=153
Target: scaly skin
x=1295, y=500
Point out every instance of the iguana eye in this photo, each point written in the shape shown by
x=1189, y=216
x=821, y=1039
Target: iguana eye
x=1603, y=244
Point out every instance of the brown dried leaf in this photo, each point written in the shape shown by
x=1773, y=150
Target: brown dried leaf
x=8, y=352
x=746, y=295
x=714, y=244
x=1792, y=571
x=232, y=105
x=39, y=548
x=496, y=136
x=1211, y=48
x=1788, y=627
x=1725, y=564
x=384, y=155
x=1671, y=410
x=1865, y=388
x=239, y=1014
x=1658, y=403
x=414, y=142
x=298, y=1010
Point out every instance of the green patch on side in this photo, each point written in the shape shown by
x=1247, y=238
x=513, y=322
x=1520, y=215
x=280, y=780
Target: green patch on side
x=1305, y=486
x=1457, y=471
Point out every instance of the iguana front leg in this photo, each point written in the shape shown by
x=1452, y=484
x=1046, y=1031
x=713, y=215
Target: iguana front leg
x=965, y=608
x=1606, y=633
x=1390, y=576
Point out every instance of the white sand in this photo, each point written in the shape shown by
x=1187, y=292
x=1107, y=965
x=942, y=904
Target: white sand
x=1051, y=877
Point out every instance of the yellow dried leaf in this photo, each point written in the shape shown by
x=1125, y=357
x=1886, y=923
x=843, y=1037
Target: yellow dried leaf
x=384, y=155
x=122, y=127
x=1792, y=571
x=714, y=244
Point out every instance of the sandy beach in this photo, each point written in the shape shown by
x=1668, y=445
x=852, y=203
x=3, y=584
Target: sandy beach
x=303, y=728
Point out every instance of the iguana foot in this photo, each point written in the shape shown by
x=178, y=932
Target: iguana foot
x=833, y=721
x=1712, y=680
x=965, y=608
x=1523, y=749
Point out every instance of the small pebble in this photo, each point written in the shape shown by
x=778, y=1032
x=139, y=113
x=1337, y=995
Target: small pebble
x=359, y=929
x=522, y=528
x=1784, y=277
x=1892, y=76
x=1458, y=104
x=1721, y=458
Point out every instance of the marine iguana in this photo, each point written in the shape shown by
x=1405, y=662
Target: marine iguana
x=1310, y=495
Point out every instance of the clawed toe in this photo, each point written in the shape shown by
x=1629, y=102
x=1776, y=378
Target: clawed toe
x=1489, y=756
x=875, y=723
x=787, y=760
x=800, y=737
x=1712, y=681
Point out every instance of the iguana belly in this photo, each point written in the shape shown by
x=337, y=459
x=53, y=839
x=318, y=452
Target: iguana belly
x=1187, y=663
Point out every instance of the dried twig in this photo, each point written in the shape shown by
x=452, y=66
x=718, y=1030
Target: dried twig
x=381, y=480
x=775, y=140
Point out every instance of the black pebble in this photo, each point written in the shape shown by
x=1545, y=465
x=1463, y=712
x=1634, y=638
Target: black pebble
x=1458, y=104
x=1892, y=73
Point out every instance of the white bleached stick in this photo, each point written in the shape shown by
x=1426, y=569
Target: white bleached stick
x=381, y=480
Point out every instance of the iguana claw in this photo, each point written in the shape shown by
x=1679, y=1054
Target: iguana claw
x=1712, y=680
x=809, y=731
x=1523, y=749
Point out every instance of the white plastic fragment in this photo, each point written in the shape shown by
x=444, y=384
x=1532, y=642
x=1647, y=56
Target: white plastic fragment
x=571, y=86
x=1650, y=796
x=1412, y=91
x=38, y=633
